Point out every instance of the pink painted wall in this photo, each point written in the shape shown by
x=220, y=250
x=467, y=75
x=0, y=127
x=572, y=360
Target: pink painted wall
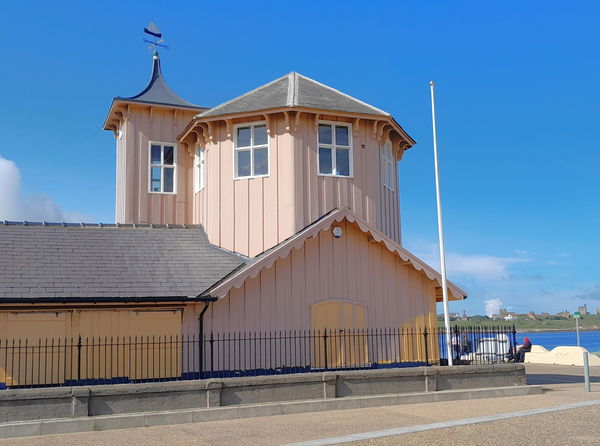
x=252, y=215
x=349, y=269
x=247, y=215
x=134, y=202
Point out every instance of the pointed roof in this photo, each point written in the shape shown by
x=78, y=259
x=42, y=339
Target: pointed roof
x=157, y=91
x=293, y=90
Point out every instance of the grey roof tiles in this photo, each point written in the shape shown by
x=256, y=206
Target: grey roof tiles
x=293, y=90
x=109, y=262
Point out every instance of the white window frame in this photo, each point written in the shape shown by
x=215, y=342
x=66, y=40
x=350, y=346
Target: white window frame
x=199, y=169
x=388, y=165
x=162, y=166
x=250, y=148
x=333, y=148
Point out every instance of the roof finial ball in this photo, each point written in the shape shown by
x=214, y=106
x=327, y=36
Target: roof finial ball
x=158, y=41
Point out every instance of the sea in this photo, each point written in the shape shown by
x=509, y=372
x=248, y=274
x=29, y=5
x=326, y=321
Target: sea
x=589, y=340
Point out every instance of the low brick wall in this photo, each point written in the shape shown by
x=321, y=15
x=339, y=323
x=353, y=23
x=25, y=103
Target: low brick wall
x=32, y=404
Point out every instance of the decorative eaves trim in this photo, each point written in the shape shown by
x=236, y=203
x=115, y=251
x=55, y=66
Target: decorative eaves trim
x=268, y=259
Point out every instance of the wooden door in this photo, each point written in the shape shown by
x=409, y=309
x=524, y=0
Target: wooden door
x=340, y=340
x=33, y=351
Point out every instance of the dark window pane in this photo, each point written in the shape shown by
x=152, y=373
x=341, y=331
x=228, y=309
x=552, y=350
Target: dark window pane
x=155, y=179
x=261, y=162
x=169, y=172
x=155, y=154
x=260, y=135
x=324, y=160
x=243, y=137
x=342, y=162
x=169, y=151
x=243, y=163
x=341, y=136
x=325, y=134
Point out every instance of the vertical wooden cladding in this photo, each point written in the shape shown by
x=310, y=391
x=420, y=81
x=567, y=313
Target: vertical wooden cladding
x=251, y=215
x=349, y=269
x=390, y=212
x=43, y=335
x=363, y=193
x=247, y=215
x=135, y=204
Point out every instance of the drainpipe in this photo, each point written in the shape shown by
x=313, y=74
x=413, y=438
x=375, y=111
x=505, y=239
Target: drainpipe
x=207, y=300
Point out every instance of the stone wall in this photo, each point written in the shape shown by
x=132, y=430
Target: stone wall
x=60, y=402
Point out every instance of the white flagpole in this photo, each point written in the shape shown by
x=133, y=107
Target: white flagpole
x=441, y=233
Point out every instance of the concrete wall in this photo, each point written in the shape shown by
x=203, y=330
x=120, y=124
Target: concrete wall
x=28, y=404
x=562, y=355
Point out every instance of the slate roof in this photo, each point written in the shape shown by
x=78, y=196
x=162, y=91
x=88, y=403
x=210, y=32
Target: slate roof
x=56, y=261
x=293, y=90
x=157, y=91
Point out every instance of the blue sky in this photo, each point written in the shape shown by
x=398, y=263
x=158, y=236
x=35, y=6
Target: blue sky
x=517, y=100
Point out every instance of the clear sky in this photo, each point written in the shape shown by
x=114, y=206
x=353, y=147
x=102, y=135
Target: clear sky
x=517, y=98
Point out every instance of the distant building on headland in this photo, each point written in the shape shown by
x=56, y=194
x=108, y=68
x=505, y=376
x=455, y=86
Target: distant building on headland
x=583, y=310
x=564, y=314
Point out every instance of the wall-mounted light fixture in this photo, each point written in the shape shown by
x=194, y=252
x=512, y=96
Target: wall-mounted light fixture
x=337, y=231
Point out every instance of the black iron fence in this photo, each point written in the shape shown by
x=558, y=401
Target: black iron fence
x=106, y=360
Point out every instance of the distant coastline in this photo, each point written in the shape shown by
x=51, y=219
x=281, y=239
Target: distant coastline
x=544, y=330
x=523, y=323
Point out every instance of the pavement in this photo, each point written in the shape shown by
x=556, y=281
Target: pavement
x=534, y=419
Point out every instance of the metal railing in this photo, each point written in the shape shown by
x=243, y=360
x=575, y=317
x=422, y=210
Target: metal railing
x=106, y=360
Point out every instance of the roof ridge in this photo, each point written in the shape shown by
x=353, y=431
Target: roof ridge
x=97, y=225
x=199, y=115
x=344, y=94
x=291, y=87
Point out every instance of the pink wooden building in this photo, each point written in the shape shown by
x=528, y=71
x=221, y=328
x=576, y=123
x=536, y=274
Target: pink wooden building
x=297, y=177
x=279, y=207
x=275, y=211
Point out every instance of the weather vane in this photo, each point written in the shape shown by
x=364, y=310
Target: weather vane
x=158, y=40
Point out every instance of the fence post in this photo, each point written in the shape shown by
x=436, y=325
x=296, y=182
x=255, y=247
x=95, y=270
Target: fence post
x=426, y=346
x=201, y=355
x=456, y=343
x=325, y=346
x=514, y=340
x=79, y=359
